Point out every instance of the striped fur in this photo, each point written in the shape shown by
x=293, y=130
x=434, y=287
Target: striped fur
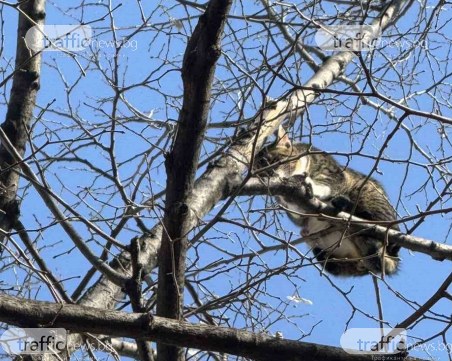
x=340, y=253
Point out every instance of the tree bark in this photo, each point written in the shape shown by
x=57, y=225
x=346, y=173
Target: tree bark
x=198, y=69
x=262, y=347
x=26, y=82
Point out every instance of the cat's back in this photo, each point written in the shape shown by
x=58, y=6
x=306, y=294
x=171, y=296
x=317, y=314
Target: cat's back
x=322, y=165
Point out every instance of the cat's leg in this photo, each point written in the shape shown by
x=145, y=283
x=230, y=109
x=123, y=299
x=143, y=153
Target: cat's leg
x=372, y=250
x=339, y=267
x=313, y=188
x=343, y=203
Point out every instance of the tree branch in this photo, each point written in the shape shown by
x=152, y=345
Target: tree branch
x=262, y=347
x=47, y=195
x=201, y=55
x=290, y=187
x=21, y=103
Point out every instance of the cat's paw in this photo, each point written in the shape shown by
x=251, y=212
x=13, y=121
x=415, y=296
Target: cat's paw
x=342, y=203
x=305, y=181
x=309, y=187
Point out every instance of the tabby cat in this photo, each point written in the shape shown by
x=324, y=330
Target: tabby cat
x=340, y=253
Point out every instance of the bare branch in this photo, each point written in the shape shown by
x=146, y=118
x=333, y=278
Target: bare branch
x=121, y=324
x=201, y=55
x=26, y=80
x=48, y=196
x=381, y=230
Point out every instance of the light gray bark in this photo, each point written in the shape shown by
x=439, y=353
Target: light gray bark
x=284, y=187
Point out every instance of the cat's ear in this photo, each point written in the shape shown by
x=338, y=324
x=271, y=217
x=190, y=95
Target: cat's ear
x=283, y=139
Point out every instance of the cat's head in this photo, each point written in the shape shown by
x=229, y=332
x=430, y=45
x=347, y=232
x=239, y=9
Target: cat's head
x=279, y=158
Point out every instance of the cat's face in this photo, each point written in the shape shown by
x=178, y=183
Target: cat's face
x=278, y=159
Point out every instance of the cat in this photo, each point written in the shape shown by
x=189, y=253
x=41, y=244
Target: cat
x=341, y=254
